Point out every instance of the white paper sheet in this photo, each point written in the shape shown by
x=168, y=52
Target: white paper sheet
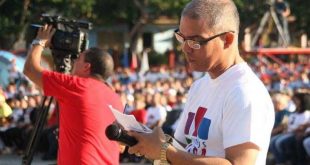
x=129, y=122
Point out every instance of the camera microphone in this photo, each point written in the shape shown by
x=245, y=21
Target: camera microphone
x=114, y=132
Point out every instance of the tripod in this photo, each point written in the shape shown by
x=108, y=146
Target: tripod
x=271, y=12
x=62, y=61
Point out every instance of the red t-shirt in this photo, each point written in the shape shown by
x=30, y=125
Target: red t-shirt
x=140, y=115
x=83, y=117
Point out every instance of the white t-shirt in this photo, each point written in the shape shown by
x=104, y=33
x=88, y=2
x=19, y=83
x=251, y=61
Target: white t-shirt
x=155, y=114
x=232, y=109
x=297, y=119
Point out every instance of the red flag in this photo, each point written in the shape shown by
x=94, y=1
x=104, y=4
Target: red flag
x=134, y=61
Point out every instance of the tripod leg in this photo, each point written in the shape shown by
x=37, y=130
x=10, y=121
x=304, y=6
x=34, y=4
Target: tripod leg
x=260, y=28
x=279, y=27
x=27, y=158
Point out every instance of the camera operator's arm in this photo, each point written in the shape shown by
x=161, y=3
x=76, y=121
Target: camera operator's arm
x=32, y=68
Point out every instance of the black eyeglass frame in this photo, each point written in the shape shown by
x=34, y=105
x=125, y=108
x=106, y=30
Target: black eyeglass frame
x=201, y=42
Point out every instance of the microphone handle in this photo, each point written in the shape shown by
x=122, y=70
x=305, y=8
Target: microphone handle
x=128, y=140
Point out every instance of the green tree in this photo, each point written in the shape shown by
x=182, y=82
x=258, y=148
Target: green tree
x=16, y=15
x=136, y=13
x=12, y=19
x=300, y=10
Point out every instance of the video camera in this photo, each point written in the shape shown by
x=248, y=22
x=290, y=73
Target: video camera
x=68, y=41
x=70, y=36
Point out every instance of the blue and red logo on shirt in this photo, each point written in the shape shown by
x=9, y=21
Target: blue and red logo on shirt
x=202, y=124
x=201, y=131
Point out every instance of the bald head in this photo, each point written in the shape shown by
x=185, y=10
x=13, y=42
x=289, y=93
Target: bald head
x=219, y=15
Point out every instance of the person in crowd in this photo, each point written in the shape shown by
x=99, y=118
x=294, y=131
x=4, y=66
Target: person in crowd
x=11, y=90
x=280, y=144
x=5, y=109
x=306, y=142
x=229, y=115
x=84, y=98
x=15, y=76
x=139, y=111
x=5, y=112
x=301, y=148
x=280, y=102
x=156, y=113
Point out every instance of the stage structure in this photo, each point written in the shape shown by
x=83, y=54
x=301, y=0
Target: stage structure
x=272, y=53
x=271, y=12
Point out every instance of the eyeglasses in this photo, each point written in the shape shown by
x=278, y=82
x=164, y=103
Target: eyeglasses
x=193, y=43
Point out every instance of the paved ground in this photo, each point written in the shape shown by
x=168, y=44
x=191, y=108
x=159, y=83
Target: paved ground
x=11, y=159
x=17, y=160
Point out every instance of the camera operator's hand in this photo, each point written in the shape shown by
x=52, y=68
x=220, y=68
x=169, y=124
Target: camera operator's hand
x=45, y=34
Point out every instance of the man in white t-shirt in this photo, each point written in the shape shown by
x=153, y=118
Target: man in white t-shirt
x=229, y=115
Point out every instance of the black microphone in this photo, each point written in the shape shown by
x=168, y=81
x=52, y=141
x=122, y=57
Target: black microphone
x=114, y=132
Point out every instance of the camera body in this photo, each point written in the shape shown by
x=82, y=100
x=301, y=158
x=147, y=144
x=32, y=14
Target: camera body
x=70, y=36
x=73, y=42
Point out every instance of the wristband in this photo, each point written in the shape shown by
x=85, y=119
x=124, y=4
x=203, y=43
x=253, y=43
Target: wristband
x=38, y=42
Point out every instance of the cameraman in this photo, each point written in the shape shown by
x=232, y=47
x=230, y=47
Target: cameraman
x=83, y=99
x=283, y=12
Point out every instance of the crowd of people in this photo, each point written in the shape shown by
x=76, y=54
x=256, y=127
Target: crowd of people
x=221, y=108
x=157, y=98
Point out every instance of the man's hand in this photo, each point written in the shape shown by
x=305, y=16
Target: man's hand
x=148, y=143
x=122, y=147
x=45, y=34
x=32, y=68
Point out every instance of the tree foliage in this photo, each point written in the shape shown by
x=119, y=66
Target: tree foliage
x=124, y=11
x=136, y=13
x=16, y=15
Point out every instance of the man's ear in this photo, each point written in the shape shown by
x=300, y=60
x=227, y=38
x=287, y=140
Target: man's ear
x=228, y=40
x=87, y=67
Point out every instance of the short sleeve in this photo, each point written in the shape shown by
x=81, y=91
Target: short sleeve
x=56, y=84
x=248, y=116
